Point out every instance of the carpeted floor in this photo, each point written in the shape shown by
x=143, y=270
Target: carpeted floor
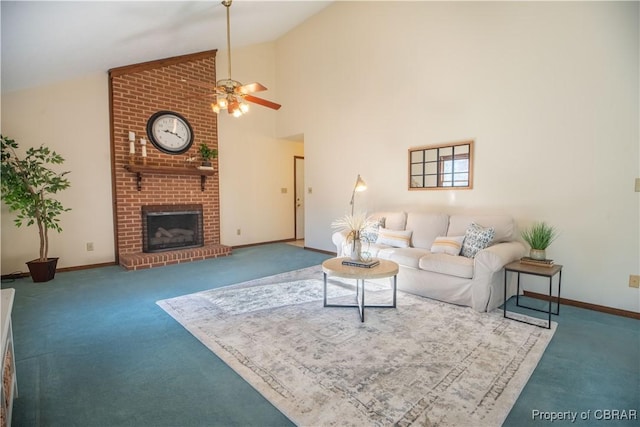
x=422, y=363
x=94, y=349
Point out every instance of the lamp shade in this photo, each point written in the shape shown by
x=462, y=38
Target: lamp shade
x=360, y=184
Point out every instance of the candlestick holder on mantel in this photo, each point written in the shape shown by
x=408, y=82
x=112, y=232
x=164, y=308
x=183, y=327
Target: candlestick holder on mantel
x=132, y=148
x=143, y=143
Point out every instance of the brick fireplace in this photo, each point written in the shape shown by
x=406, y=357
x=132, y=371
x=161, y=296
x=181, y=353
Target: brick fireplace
x=163, y=181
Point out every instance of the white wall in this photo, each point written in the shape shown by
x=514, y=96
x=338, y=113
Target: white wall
x=254, y=164
x=71, y=118
x=549, y=91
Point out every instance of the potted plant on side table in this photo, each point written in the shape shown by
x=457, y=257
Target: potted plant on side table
x=539, y=236
x=27, y=186
x=207, y=154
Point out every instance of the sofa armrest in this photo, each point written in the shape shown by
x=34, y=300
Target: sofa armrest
x=495, y=257
x=339, y=238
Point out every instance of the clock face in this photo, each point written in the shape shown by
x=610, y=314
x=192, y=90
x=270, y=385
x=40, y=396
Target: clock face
x=169, y=132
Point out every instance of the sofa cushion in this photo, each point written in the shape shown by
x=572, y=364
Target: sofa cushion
x=426, y=227
x=408, y=257
x=504, y=225
x=451, y=245
x=395, y=238
x=392, y=220
x=458, y=266
x=475, y=239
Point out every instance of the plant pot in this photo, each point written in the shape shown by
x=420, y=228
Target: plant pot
x=538, y=254
x=42, y=271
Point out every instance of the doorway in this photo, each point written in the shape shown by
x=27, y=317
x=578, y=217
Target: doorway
x=298, y=172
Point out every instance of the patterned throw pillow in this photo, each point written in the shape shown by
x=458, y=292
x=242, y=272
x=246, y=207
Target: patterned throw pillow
x=395, y=238
x=370, y=234
x=450, y=245
x=475, y=239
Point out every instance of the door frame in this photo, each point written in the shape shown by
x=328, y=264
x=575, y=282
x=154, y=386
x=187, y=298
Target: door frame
x=295, y=195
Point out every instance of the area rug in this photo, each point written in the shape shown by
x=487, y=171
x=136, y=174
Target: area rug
x=423, y=363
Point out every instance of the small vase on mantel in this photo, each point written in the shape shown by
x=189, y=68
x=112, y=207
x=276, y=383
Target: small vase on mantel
x=538, y=254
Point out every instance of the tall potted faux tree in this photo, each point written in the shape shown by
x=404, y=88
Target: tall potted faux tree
x=27, y=186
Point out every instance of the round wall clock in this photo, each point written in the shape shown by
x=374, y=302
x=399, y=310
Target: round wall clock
x=169, y=132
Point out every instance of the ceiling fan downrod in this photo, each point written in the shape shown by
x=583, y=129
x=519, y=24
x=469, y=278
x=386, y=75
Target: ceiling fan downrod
x=227, y=4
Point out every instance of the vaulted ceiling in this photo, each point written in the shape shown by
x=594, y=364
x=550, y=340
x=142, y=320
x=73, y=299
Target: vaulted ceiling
x=48, y=41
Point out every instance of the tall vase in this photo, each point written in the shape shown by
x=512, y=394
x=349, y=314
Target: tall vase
x=356, y=247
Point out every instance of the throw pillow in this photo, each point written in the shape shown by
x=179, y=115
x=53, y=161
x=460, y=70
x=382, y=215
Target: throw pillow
x=450, y=245
x=475, y=239
x=395, y=238
x=370, y=234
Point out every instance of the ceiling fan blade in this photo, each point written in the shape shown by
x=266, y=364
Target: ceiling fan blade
x=262, y=102
x=250, y=88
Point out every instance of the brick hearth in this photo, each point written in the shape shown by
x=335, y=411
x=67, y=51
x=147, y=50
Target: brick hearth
x=141, y=260
x=138, y=91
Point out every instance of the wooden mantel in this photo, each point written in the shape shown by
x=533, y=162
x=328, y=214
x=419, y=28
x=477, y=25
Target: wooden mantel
x=140, y=170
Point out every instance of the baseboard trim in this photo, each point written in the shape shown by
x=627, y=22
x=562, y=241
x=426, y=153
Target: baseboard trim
x=249, y=245
x=13, y=276
x=86, y=267
x=306, y=248
x=586, y=305
x=321, y=251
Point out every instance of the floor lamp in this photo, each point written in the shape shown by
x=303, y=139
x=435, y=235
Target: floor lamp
x=360, y=186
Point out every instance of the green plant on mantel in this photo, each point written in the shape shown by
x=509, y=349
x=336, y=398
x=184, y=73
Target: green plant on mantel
x=207, y=153
x=27, y=186
x=540, y=235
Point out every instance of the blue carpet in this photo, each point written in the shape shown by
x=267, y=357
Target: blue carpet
x=94, y=349
x=590, y=369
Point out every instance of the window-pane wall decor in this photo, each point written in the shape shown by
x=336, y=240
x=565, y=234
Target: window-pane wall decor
x=437, y=167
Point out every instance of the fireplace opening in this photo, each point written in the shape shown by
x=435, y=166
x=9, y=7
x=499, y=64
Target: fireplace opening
x=170, y=227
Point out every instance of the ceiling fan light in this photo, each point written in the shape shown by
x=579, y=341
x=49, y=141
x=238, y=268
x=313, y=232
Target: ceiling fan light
x=237, y=112
x=215, y=108
x=233, y=105
x=223, y=103
x=244, y=107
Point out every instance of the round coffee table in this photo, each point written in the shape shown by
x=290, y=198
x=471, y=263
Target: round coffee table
x=335, y=267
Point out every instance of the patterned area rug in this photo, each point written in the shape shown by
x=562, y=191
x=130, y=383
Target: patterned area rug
x=424, y=363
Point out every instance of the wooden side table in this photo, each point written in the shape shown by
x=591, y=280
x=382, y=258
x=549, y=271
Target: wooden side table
x=534, y=270
x=334, y=267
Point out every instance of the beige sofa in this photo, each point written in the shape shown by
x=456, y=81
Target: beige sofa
x=475, y=280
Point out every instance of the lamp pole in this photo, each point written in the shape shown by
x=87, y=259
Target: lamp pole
x=360, y=186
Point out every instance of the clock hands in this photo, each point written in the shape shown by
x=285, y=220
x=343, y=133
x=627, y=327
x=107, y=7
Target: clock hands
x=172, y=133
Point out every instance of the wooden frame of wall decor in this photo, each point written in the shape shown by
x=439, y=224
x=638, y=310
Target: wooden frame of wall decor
x=447, y=166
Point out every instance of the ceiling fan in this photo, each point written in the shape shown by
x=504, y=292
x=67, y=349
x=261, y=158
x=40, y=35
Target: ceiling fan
x=231, y=95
